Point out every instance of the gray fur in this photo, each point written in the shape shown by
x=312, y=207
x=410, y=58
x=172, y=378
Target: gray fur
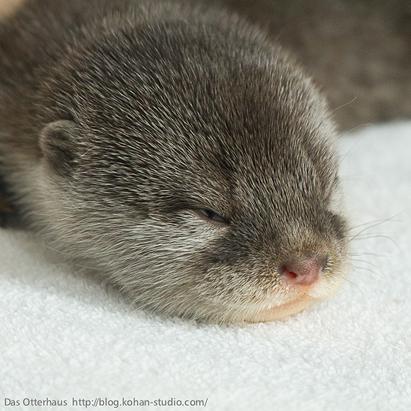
x=121, y=118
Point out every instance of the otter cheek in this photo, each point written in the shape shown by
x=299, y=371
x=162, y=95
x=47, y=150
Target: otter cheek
x=336, y=204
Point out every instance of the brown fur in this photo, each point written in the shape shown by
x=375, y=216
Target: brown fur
x=358, y=51
x=124, y=122
x=9, y=7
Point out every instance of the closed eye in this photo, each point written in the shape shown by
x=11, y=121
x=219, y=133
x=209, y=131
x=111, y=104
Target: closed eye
x=211, y=216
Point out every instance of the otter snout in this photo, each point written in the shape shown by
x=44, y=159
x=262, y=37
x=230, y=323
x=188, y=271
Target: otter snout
x=303, y=271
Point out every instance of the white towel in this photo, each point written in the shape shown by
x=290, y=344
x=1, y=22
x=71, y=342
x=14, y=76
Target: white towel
x=67, y=338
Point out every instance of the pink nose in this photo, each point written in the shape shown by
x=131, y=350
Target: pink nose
x=305, y=271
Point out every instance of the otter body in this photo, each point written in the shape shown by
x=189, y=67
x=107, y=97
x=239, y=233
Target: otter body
x=176, y=149
x=357, y=51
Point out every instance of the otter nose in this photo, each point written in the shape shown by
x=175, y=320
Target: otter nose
x=304, y=271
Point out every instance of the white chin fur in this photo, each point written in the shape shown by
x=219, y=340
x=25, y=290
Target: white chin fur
x=291, y=303
x=325, y=288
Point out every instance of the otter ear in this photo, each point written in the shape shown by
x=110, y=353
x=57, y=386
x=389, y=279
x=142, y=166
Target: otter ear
x=57, y=143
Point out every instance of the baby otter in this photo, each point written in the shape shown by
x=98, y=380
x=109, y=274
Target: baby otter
x=176, y=149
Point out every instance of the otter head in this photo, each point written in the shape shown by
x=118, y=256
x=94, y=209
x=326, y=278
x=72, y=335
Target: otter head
x=195, y=168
